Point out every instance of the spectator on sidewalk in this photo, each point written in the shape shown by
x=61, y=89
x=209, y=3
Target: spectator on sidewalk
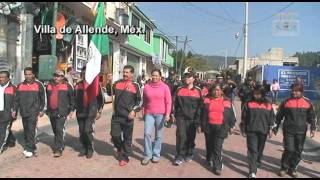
x=217, y=119
x=126, y=104
x=275, y=88
x=297, y=112
x=186, y=111
x=7, y=92
x=257, y=120
x=157, y=103
x=30, y=99
x=87, y=113
x=61, y=105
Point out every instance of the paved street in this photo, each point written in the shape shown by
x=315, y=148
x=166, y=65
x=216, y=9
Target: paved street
x=103, y=163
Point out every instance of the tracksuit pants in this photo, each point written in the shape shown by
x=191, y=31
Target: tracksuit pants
x=58, y=128
x=293, y=146
x=121, y=132
x=255, y=145
x=30, y=132
x=86, y=131
x=208, y=146
x=185, y=137
x=216, y=146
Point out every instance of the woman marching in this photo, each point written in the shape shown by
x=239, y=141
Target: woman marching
x=257, y=120
x=297, y=112
x=217, y=119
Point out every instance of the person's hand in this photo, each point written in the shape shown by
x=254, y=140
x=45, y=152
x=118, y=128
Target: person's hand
x=232, y=130
x=70, y=116
x=167, y=118
x=312, y=133
x=131, y=115
x=14, y=114
x=98, y=115
x=270, y=134
x=172, y=118
x=41, y=114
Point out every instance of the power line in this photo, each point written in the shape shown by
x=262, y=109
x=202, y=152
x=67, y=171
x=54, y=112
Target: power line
x=235, y=52
x=225, y=10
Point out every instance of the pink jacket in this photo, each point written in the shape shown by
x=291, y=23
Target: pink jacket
x=156, y=98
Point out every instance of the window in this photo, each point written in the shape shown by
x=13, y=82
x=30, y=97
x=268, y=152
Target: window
x=147, y=34
x=135, y=21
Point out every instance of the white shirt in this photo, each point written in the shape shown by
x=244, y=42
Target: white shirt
x=2, y=88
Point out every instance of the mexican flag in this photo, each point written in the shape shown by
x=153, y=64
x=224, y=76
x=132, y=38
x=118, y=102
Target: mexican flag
x=98, y=47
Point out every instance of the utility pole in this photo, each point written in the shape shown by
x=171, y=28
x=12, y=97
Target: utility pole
x=226, y=60
x=182, y=59
x=176, y=54
x=245, y=35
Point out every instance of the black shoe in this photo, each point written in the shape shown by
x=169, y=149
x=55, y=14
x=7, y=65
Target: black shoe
x=89, y=155
x=217, y=172
x=57, y=153
x=10, y=144
x=82, y=153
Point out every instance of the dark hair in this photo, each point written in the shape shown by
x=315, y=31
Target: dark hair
x=28, y=69
x=297, y=87
x=5, y=72
x=261, y=90
x=129, y=67
x=156, y=70
x=69, y=69
x=210, y=94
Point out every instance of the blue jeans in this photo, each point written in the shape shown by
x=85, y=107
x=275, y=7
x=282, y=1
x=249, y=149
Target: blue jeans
x=152, y=150
x=274, y=96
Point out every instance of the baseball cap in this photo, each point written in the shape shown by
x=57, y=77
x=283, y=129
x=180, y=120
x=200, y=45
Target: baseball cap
x=189, y=74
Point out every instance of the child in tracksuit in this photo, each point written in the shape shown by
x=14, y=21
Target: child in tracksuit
x=297, y=112
x=257, y=119
x=217, y=118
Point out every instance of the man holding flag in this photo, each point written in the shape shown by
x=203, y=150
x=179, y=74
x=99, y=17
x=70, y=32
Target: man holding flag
x=89, y=98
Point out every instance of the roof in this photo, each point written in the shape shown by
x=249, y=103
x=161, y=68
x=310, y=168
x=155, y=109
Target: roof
x=164, y=37
x=141, y=14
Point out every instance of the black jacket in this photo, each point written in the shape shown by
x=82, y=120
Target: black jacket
x=228, y=115
x=187, y=103
x=127, y=97
x=297, y=114
x=66, y=99
x=92, y=109
x=30, y=99
x=245, y=93
x=257, y=117
x=9, y=93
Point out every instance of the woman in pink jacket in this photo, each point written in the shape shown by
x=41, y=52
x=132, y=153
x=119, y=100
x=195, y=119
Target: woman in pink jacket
x=157, y=107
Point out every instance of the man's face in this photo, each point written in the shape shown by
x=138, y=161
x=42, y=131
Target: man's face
x=296, y=93
x=57, y=79
x=189, y=80
x=3, y=79
x=127, y=74
x=29, y=76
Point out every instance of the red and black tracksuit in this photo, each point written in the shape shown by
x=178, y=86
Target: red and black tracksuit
x=217, y=118
x=127, y=98
x=257, y=119
x=86, y=115
x=6, y=119
x=30, y=99
x=297, y=114
x=61, y=102
x=187, y=110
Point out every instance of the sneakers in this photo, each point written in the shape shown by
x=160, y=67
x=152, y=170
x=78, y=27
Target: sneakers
x=282, y=172
x=145, y=161
x=178, y=162
x=155, y=160
x=57, y=154
x=123, y=163
x=294, y=173
x=188, y=158
x=27, y=154
x=217, y=172
x=89, y=155
x=252, y=175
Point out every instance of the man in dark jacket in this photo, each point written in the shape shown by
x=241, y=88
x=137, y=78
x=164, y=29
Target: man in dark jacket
x=245, y=91
x=7, y=92
x=297, y=113
x=30, y=99
x=186, y=111
x=61, y=105
x=87, y=113
x=127, y=103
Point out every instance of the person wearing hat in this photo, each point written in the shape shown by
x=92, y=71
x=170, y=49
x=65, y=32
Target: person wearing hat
x=257, y=120
x=296, y=112
x=61, y=105
x=186, y=112
x=30, y=99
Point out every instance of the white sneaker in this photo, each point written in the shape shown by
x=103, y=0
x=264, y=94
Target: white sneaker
x=24, y=152
x=252, y=175
x=28, y=154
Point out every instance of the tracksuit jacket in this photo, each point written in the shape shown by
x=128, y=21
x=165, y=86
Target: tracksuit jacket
x=30, y=99
x=9, y=94
x=257, y=117
x=297, y=114
x=66, y=99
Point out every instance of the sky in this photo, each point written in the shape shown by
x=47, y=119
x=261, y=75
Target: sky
x=212, y=26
